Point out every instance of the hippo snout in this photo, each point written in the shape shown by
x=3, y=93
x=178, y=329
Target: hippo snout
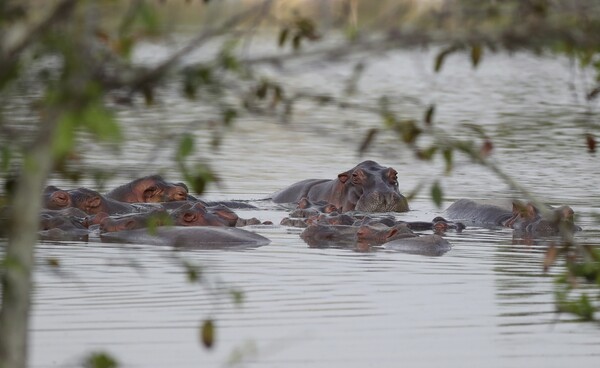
x=382, y=202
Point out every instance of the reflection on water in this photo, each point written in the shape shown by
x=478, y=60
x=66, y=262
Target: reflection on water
x=485, y=301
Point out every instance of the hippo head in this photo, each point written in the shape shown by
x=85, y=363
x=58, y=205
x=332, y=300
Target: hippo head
x=370, y=187
x=87, y=200
x=150, y=189
x=195, y=215
x=155, y=189
x=55, y=198
x=523, y=214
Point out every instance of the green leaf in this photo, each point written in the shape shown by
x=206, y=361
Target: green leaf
x=447, y=153
x=200, y=178
x=53, y=262
x=283, y=35
x=100, y=360
x=238, y=297
x=429, y=115
x=148, y=93
x=408, y=130
x=427, y=154
x=193, y=272
x=64, y=136
x=5, y=158
x=441, y=57
x=581, y=307
x=207, y=333
x=476, y=52
x=158, y=219
x=436, y=194
x=366, y=143
x=261, y=91
x=101, y=122
x=229, y=114
x=186, y=146
x=296, y=41
x=149, y=18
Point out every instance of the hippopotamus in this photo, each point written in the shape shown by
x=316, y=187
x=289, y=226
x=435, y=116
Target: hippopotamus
x=150, y=219
x=66, y=224
x=151, y=188
x=523, y=217
x=427, y=245
x=87, y=200
x=196, y=214
x=368, y=187
x=203, y=237
x=319, y=234
x=188, y=214
x=398, y=238
x=528, y=220
x=306, y=208
x=155, y=189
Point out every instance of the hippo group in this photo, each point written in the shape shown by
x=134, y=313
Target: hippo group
x=357, y=209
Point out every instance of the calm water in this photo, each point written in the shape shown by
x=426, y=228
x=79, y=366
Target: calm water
x=486, y=302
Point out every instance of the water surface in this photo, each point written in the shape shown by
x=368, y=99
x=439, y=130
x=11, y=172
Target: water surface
x=484, y=303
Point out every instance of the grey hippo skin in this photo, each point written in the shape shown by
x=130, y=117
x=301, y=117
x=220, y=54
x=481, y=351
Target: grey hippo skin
x=204, y=237
x=397, y=238
x=368, y=187
x=428, y=245
x=480, y=213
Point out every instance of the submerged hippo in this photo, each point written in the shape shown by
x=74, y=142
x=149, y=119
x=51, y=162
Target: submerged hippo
x=87, y=200
x=523, y=217
x=398, y=238
x=368, y=187
x=66, y=224
x=205, y=237
x=427, y=245
x=151, y=188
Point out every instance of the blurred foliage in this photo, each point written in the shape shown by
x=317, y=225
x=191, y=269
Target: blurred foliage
x=78, y=56
x=99, y=360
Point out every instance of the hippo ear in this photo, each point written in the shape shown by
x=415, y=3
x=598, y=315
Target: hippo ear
x=391, y=233
x=343, y=177
x=303, y=203
x=531, y=211
x=149, y=192
x=183, y=186
x=519, y=207
x=94, y=202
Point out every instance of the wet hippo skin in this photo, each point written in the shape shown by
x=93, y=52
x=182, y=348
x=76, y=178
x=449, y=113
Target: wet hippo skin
x=368, y=187
x=204, y=237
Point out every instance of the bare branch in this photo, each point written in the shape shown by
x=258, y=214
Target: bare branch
x=62, y=10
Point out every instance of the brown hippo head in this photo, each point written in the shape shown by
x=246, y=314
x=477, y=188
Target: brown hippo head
x=370, y=187
x=195, y=214
x=89, y=201
x=149, y=189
